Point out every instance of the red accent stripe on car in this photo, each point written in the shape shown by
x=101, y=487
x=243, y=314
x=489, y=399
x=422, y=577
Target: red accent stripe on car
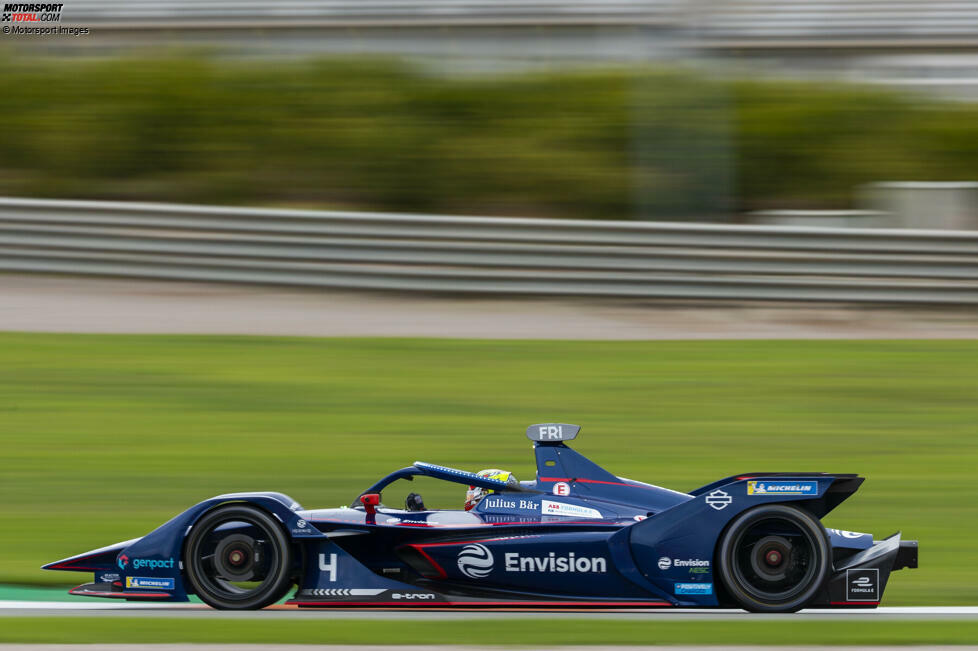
x=119, y=595
x=457, y=542
x=594, y=481
x=482, y=604
x=80, y=568
x=529, y=523
x=442, y=574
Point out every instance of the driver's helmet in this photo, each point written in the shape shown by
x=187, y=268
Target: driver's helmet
x=475, y=494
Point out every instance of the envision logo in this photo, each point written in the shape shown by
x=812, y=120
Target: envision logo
x=691, y=562
x=665, y=562
x=553, y=563
x=475, y=561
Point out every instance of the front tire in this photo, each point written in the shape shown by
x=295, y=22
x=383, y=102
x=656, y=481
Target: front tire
x=237, y=558
x=774, y=559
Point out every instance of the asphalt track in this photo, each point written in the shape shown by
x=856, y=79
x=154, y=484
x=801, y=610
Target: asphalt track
x=105, y=305
x=371, y=647
x=113, y=609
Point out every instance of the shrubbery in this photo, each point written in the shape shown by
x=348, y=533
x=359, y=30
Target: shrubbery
x=379, y=135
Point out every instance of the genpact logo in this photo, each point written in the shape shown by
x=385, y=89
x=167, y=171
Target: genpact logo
x=152, y=564
x=475, y=561
x=122, y=561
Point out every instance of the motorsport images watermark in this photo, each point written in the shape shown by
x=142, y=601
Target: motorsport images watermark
x=26, y=18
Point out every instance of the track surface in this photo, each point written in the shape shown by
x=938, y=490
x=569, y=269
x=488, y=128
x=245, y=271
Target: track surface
x=309, y=647
x=98, y=305
x=113, y=609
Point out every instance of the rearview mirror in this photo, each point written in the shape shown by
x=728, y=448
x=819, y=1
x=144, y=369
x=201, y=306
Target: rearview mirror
x=370, y=502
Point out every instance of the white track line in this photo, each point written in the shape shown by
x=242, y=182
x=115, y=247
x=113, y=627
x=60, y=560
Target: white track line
x=917, y=611
x=74, y=605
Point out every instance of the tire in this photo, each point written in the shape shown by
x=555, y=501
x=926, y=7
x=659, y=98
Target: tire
x=244, y=567
x=774, y=559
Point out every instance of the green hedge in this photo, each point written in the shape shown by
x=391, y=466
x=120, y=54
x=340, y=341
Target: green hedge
x=380, y=135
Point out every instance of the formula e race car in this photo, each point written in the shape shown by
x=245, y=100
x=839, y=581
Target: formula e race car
x=575, y=537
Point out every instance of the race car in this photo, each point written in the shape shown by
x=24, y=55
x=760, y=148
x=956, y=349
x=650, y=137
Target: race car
x=577, y=536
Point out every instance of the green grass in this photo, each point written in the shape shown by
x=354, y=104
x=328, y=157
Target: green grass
x=105, y=437
x=642, y=629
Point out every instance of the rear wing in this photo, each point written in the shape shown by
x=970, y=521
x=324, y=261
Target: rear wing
x=843, y=485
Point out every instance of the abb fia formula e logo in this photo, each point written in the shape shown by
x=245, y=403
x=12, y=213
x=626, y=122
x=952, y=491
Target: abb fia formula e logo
x=475, y=561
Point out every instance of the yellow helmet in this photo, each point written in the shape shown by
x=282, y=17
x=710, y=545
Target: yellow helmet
x=475, y=494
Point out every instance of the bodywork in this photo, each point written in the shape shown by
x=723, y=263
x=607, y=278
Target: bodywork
x=577, y=535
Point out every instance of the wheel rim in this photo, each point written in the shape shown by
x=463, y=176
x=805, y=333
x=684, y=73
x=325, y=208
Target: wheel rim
x=234, y=558
x=774, y=559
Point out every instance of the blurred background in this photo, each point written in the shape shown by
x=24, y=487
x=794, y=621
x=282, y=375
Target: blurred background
x=781, y=170
x=713, y=110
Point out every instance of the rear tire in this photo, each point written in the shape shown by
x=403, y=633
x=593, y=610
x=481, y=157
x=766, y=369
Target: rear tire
x=774, y=559
x=245, y=566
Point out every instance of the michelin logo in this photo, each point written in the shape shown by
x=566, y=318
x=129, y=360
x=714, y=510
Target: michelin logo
x=153, y=583
x=782, y=488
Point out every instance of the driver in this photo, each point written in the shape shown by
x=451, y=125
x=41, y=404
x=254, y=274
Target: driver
x=475, y=494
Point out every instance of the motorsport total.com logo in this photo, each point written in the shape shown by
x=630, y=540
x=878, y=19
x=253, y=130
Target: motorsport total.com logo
x=31, y=12
x=36, y=19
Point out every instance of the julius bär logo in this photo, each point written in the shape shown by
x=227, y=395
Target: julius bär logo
x=31, y=12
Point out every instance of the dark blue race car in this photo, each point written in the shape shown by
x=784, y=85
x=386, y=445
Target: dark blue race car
x=577, y=536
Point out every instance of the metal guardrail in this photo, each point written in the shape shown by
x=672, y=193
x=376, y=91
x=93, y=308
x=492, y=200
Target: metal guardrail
x=226, y=13
x=744, y=20
x=488, y=255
